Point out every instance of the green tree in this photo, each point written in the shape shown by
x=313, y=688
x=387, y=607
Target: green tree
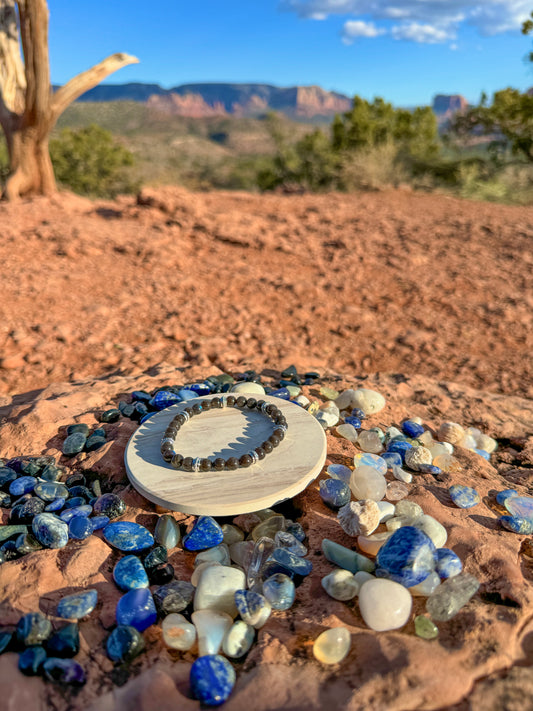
x=90, y=162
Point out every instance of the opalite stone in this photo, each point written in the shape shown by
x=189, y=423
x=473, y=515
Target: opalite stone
x=64, y=671
x=367, y=483
x=432, y=528
x=232, y=534
x=517, y=524
x=212, y=679
x=452, y=595
x=178, y=633
x=136, y=608
x=425, y=628
x=396, y=490
x=369, y=401
x=412, y=429
x=205, y=533
x=448, y=563
x=130, y=574
x=32, y=629
x=464, y=496
x=332, y=646
x=408, y=557
x=339, y=471
x=281, y=560
x=340, y=585
x=109, y=505
x=345, y=558
x=74, y=607
x=370, y=441
x=173, y=597
x=347, y=431
x=384, y=604
x=334, y=492
x=450, y=432
x=253, y=607
x=246, y=386
x=426, y=587
x=359, y=517
x=370, y=460
x=74, y=444
x=65, y=642
x=216, y=589
x=80, y=528
x=238, y=640
x=279, y=590
x=128, y=536
x=50, y=531
x=50, y=490
x=219, y=553
x=371, y=544
x=502, y=496
x=521, y=506
x=31, y=660
x=386, y=510
x=22, y=485
x=167, y=531
x=124, y=644
x=211, y=627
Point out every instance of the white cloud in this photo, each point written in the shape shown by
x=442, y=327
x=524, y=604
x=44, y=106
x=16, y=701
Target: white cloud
x=357, y=28
x=427, y=21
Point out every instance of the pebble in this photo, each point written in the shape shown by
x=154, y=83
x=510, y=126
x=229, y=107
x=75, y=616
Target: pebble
x=94, y=442
x=345, y=558
x=74, y=607
x=136, y=608
x=372, y=544
x=124, y=644
x=464, y=496
x=155, y=557
x=359, y=517
x=212, y=679
x=432, y=528
x=161, y=574
x=7, y=475
x=347, y=431
x=55, y=505
x=219, y=554
x=448, y=563
x=296, y=529
x=74, y=444
x=399, y=447
x=370, y=460
x=65, y=642
x=241, y=553
x=353, y=421
x=369, y=441
x=173, y=597
x=253, y=607
x=50, y=530
x=427, y=586
x=84, y=510
x=109, y=505
x=216, y=589
x=205, y=533
x=65, y=671
x=163, y=399
x=128, y=536
x=502, y=496
x=31, y=660
x=367, y=483
x=232, y=534
x=80, y=528
x=452, y=595
x=520, y=506
x=517, y=524
x=33, y=628
x=246, y=386
x=281, y=560
x=211, y=627
x=130, y=574
x=332, y=646
x=425, y=628
x=387, y=510
x=329, y=393
x=412, y=428
x=279, y=590
x=408, y=557
x=50, y=490
x=5, y=640
x=110, y=416
x=384, y=604
x=451, y=432
x=340, y=584
x=99, y=522
x=284, y=539
x=22, y=485
x=396, y=490
x=199, y=569
x=178, y=633
x=369, y=401
x=238, y=640
x=10, y=531
x=327, y=418
x=269, y=527
x=340, y=472
x=416, y=457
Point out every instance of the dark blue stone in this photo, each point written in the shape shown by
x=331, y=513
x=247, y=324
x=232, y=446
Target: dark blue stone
x=94, y=442
x=74, y=607
x=212, y=679
x=5, y=641
x=55, y=505
x=137, y=608
x=27, y=510
x=99, y=522
x=146, y=417
x=22, y=485
x=200, y=389
x=31, y=660
x=79, y=427
x=65, y=671
x=7, y=476
x=129, y=573
x=26, y=543
x=412, y=429
x=80, y=528
x=50, y=490
x=141, y=396
x=161, y=574
x=517, y=524
x=353, y=421
x=124, y=644
x=50, y=530
x=205, y=533
x=186, y=394
x=360, y=414
x=65, y=642
x=110, y=505
x=74, y=444
x=75, y=502
x=164, y=398
x=408, y=557
x=296, y=529
x=282, y=560
x=155, y=557
x=502, y=496
x=399, y=447
x=5, y=500
x=464, y=496
x=33, y=629
x=429, y=469
x=173, y=597
x=335, y=493
x=51, y=473
x=282, y=393
x=83, y=510
x=128, y=536
x=483, y=453
x=80, y=491
x=448, y=563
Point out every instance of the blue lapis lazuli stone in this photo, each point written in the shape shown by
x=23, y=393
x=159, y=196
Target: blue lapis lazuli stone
x=517, y=524
x=186, y=394
x=408, y=557
x=393, y=459
x=200, y=389
x=282, y=393
x=282, y=560
x=80, y=528
x=137, y=609
x=50, y=530
x=502, y=496
x=163, y=399
x=334, y=493
x=412, y=429
x=75, y=502
x=22, y=485
x=448, y=563
x=74, y=607
x=128, y=536
x=429, y=469
x=360, y=414
x=521, y=506
x=68, y=514
x=99, y=522
x=483, y=453
x=353, y=421
x=464, y=496
x=55, y=505
x=205, y=533
x=130, y=574
x=399, y=447
x=212, y=679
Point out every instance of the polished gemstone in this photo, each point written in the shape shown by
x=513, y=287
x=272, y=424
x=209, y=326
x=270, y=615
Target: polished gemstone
x=130, y=574
x=384, y=604
x=370, y=460
x=164, y=399
x=345, y=558
x=5, y=641
x=408, y=557
x=216, y=589
x=178, y=633
x=334, y=492
x=111, y=415
x=232, y=534
x=218, y=554
x=521, y=506
x=253, y=607
x=502, y=496
x=339, y=471
x=75, y=502
x=212, y=679
x=284, y=539
x=65, y=642
x=80, y=527
x=427, y=586
x=399, y=447
x=84, y=510
x=173, y=597
x=124, y=644
x=55, y=505
x=432, y=528
x=425, y=628
x=109, y=505
x=128, y=536
x=340, y=584
x=448, y=563
x=99, y=522
x=359, y=517
x=279, y=590
x=332, y=646
x=161, y=574
x=33, y=629
x=367, y=483
x=11, y=531
x=238, y=640
x=74, y=607
x=50, y=530
x=94, y=442
x=167, y=531
x=205, y=533
x=50, y=490
x=412, y=429
x=269, y=527
x=31, y=660
x=22, y=485
x=451, y=596
x=211, y=627
x=281, y=560
x=65, y=671
x=74, y=444
x=517, y=524
x=155, y=557
x=7, y=475
x=136, y=608
x=78, y=427
x=464, y=496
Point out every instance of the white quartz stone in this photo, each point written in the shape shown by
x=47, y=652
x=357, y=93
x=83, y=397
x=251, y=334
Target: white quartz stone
x=211, y=627
x=369, y=401
x=327, y=418
x=302, y=400
x=371, y=544
x=427, y=586
x=340, y=584
x=348, y=432
x=332, y=646
x=219, y=553
x=386, y=509
x=370, y=441
x=344, y=401
x=384, y=604
x=238, y=640
x=216, y=589
x=367, y=483
x=432, y=528
x=244, y=386
x=178, y=632
x=402, y=475
x=197, y=572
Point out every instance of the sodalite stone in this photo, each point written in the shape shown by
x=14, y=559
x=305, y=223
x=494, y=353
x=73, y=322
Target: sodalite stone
x=99, y=522
x=253, y=607
x=50, y=530
x=282, y=560
x=353, y=421
x=334, y=493
x=520, y=506
x=464, y=496
x=392, y=459
x=33, y=629
x=129, y=573
x=212, y=679
x=31, y=660
x=80, y=528
x=55, y=505
x=448, y=563
x=7, y=475
x=517, y=524
x=74, y=607
x=128, y=536
x=75, y=502
x=205, y=533
x=186, y=394
x=408, y=557
x=279, y=590
x=124, y=644
x=68, y=514
x=412, y=429
x=339, y=471
x=502, y=496
x=136, y=608
x=65, y=642
x=66, y=671
x=164, y=398
x=429, y=469
x=22, y=485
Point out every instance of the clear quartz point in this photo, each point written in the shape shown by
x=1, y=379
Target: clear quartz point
x=262, y=549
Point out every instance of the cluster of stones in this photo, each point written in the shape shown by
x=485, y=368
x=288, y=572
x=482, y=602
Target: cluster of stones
x=80, y=439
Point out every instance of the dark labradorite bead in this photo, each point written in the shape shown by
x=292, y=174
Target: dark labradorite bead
x=219, y=464
x=267, y=446
x=215, y=402
x=240, y=401
x=161, y=574
x=189, y=411
x=274, y=440
x=177, y=461
x=196, y=408
x=279, y=433
x=187, y=464
x=206, y=405
x=232, y=463
x=31, y=660
x=251, y=403
x=231, y=400
x=180, y=419
x=260, y=452
x=205, y=465
x=245, y=461
x=259, y=404
x=166, y=447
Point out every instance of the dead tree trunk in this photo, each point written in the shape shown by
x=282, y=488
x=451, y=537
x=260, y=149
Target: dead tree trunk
x=28, y=108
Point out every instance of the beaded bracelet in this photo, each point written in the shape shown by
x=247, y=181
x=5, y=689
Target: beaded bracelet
x=203, y=464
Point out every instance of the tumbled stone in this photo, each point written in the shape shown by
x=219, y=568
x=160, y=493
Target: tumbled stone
x=50, y=490
x=74, y=444
x=199, y=569
x=238, y=640
x=216, y=589
x=219, y=553
x=448, y=563
x=22, y=485
x=128, y=536
x=281, y=560
x=339, y=471
x=211, y=627
x=155, y=557
x=396, y=491
x=33, y=629
x=284, y=539
x=130, y=574
x=94, y=442
x=427, y=586
x=31, y=660
x=340, y=585
x=334, y=492
x=387, y=510
x=370, y=442
x=212, y=678
x=99, y=522
x=241, y=553
x=65, y=671
x=425, y=628
x=65, y=642
x=80, y=528
x=327, y=418
x=232, y=534
x=246, y=386
x=76, y=502
x=74, y=607
x=384, y=604
x=124, y=644
x=372, y=544
x=173, y=597
x=345, y=558
x=136, y=608
x=520, y=506
x=178, y=633
x=55, y=505
x=432, y=528
x=7, y=475
x=451, y=596
x=111, y=415
x=27, y=543
x=167, y=531
x=368, y=459
x=412, y=428
x=253, y=607
x=408, y=557
x=517, y=524
x=269, y=527
x=450, y=432
x=332, y=646
x=84, y=510
x=78, y=427
x=279, y=590
x=417, y=456
x=50, y=531
x=369, y=401
x=359, y=517
x=11, y=531
x=502, y=496
x=205, y=533
x=296, y=529
x=347, y=431
x=367, y=483
x=464, y=496
x=161, y=574
x=109, y=505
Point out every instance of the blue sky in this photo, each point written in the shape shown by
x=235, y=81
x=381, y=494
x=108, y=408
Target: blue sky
x=403, y=50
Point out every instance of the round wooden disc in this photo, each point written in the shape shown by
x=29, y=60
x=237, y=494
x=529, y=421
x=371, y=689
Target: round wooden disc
x=228, y=432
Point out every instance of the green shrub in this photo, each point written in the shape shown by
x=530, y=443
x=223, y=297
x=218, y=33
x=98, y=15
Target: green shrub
x=4, y=160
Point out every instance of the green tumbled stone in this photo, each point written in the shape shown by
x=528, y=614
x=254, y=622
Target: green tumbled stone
x=110, y=415
x=346, y=558
x=74, y=444
x=51, y=473
x=80, y=427
x=329, y=393
x=7, y=532
x=94, y=442
x=425, y=628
